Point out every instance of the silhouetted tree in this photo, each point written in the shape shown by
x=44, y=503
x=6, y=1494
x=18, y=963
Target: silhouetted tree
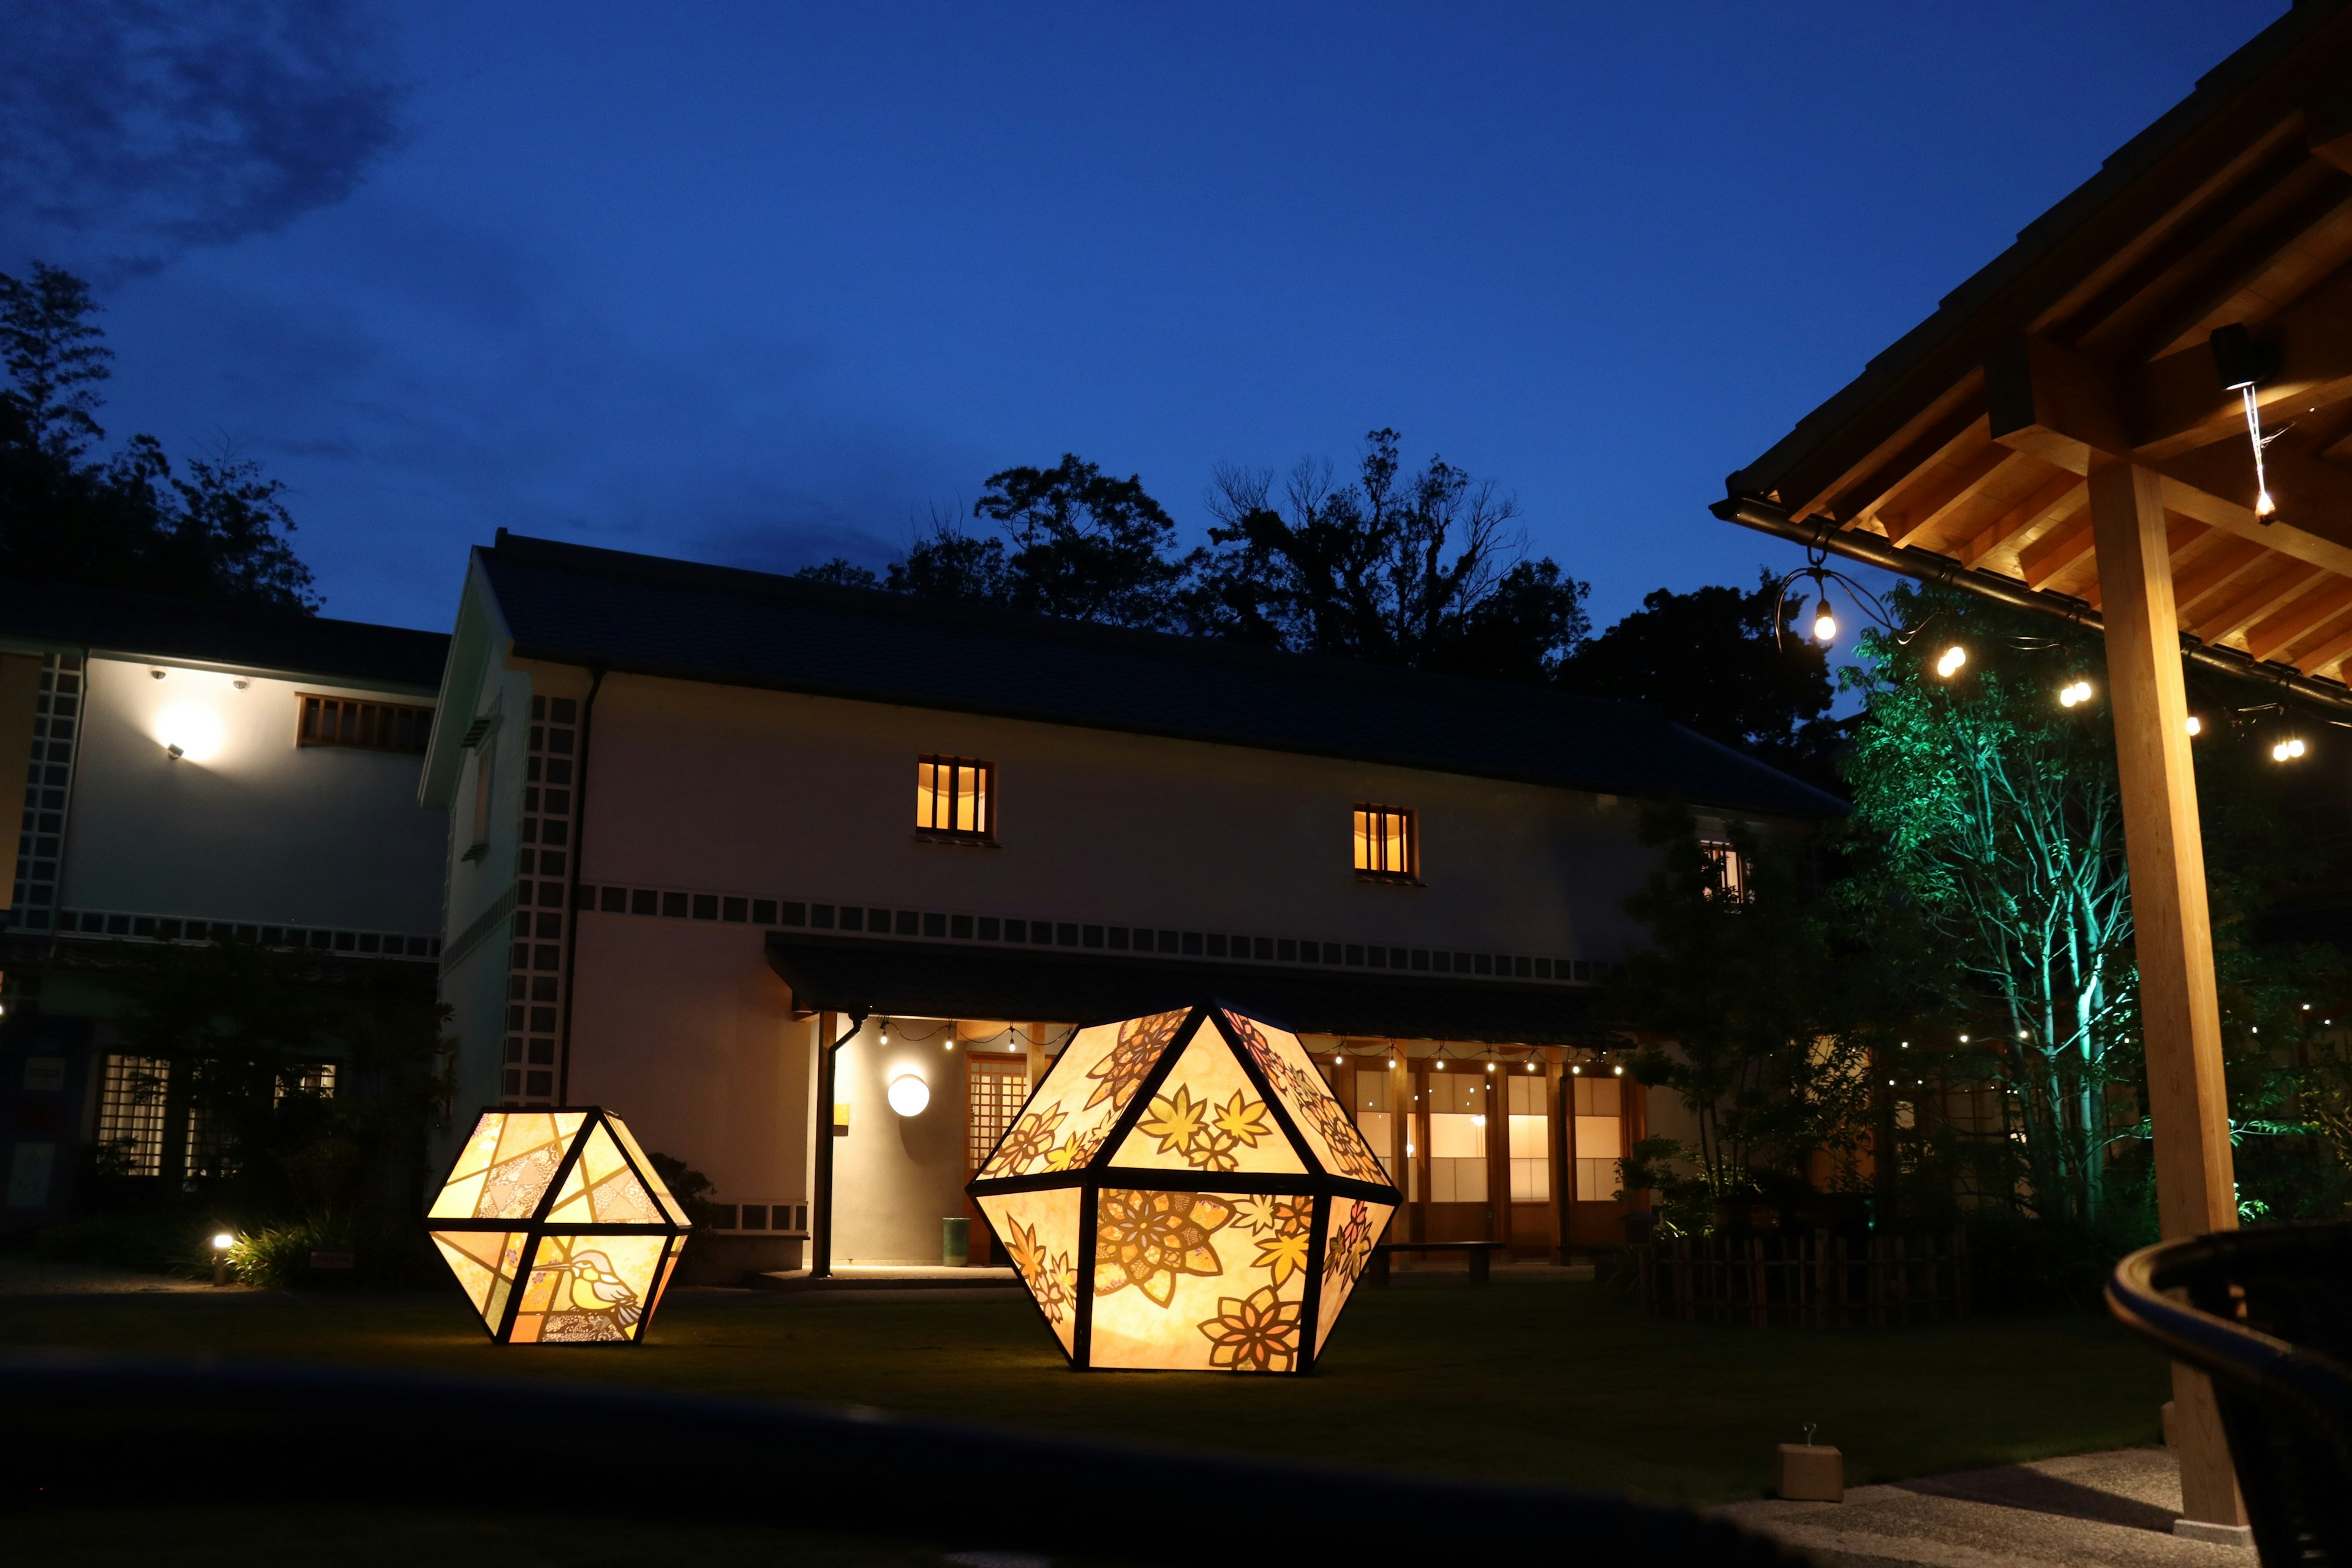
x=1422, y=570
x=1708, y=659
x=217, y=531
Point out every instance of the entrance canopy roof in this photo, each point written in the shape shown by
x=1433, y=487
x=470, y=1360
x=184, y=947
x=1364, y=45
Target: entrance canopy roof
x=903, y=979
x=1960, y=453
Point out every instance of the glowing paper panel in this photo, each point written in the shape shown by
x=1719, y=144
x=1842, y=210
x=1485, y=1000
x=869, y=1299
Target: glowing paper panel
x=1183, y=1193
x=557, y=1229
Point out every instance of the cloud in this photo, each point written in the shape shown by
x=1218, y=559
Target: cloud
x=131, y=131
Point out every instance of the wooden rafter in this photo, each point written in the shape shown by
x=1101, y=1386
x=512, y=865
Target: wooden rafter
x=2258, y=599
x=2059, y=498
x=1922, y=509
x=2327, y=596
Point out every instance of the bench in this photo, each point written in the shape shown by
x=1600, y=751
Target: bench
x=1481, y=1254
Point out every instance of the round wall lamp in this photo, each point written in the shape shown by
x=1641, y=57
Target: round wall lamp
x=909, y=1094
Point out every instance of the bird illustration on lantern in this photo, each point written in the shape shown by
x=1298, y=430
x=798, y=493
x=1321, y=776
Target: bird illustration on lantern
x=1184, y=1192
x=558, y=1228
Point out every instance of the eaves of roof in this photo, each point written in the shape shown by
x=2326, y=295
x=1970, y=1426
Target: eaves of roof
x=2013, y=285
x=238, y=636
x=597, y=608
x=908, y=979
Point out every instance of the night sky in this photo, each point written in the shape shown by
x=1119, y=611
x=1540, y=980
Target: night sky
x=764, y=284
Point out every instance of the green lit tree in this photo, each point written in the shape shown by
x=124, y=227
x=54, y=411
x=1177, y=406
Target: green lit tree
x=1990, y=812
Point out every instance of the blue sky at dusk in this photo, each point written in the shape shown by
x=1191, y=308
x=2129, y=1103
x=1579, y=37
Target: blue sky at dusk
x=763, y=284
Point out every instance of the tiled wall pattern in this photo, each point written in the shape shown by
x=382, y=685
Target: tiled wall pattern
x=940, y=925
x=49, y=787
x=535, y=978
x=121, y=925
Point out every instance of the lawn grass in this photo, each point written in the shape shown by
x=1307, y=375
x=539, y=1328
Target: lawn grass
x=1558, y=1382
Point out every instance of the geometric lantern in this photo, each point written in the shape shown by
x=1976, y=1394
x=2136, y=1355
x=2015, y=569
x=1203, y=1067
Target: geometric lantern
x=1182, y=1191
x=567, y=1203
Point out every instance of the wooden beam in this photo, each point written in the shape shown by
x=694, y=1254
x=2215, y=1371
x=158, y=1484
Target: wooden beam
x=2045, y=398
x=2313, y=521
x=2055, y=552
x=2320, y=656
x=1942, y=442
x=2181, y=1018
x=2059, y=499
x=2259, y=599
x=2178, y=403
x=1923, y=508
x=2265, y=637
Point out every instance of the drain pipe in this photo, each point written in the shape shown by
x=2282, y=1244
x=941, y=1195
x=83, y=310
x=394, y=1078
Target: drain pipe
x=821, y=1207
x=1929, y=567
x=572, y=888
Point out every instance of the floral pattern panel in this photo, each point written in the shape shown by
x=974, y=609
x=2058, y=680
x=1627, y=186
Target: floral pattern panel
x=1064, y=1122
x=1208, y=1116
x=1355, y=1230
x=1330, y=1134
x=1040, y=1232
x=1230, y=1265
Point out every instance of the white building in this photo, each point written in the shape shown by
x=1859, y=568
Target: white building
x=705, y=821
x=192, y=772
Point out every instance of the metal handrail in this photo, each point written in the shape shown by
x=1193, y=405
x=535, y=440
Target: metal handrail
x=72, y=1425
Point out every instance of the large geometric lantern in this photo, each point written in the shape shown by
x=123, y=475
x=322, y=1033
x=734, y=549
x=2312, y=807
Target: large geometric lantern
x=1182, y=1191
x=565, y=1202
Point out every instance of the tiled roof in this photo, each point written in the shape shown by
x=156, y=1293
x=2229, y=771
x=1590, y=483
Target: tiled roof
x=156, y=626
x=906, y=980
x=574, y=605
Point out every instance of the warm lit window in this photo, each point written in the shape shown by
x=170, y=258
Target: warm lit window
x=1457, y=1137
x=954, y=798
x=1384, y=844
x=1728, y=874
x=997, y=1087
x=1530, y=1140
x=1374, y=1119
x=131, y=1113
x=1600, y=1138
x=364, y=726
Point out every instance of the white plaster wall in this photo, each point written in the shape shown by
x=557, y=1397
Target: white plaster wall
x=263, y=830
x=682, y=1028
x=896, y=1177
x=776, y=794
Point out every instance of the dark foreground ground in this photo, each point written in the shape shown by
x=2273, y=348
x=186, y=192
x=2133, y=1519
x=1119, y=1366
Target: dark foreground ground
x=1537, y=1379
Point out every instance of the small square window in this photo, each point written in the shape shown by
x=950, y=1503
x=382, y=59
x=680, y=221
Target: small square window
x=1290, y=952
x=1387, y=846
x=1484, y=962
x=935, y=925
x=1017, y=931
x=991, y=929
x=853, y=917
x=1118, y=939
x=1090, y=936
x=1330, y=953
x=735, y=910
x=614, y=902
x=706, y=906
x=1066, y=935
x=821, y=916
x=1355, y=955
x=1216, y=944
x=1264, y=948
x=673, y=906
x=1421, y=958
x=644, y=901
x=907, y=920
x=764, y=913
x=1167, y=942
x=960, y=928
x=955, y=799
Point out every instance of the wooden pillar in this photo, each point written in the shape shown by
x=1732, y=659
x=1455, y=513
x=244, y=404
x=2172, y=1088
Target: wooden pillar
x=2181, y=1023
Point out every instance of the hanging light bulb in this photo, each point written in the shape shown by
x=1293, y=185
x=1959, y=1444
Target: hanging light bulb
x=2074, y=693
x=886, y=1031
x=1954, y=658
x=1824, y=623
x=2196, y=726
x=2286, y=751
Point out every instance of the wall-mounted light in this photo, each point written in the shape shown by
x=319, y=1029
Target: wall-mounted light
x=909, y=1094
x=190, y=731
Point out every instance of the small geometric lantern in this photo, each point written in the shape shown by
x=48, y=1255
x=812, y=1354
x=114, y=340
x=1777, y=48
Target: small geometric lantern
x=565, y=1202
x=1182, y=1191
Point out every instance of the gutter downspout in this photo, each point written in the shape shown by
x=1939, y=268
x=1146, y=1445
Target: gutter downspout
x=571, y=891
x=821, y=1208
x=1929, y=567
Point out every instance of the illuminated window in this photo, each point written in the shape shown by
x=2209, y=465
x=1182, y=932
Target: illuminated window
x=1530, y=1140
x=1386, y=845
x=1600, y=1139
x=1374, y=1119
x=1457, y=1137
x=998, y=1086
x=1728, y=873
x=954, y=798
x=131, y=1113
x=364, y=726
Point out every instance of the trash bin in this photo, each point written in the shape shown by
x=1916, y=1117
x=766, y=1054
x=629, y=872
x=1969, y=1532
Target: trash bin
x=955, y=1241
x=2270, y=1321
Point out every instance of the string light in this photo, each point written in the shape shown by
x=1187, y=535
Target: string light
x=2286, y=751
x=2074, y=693
x=2196, y=726
x=886, y=1031
x=1954, y=658
x=1824, y=624
x=1619, y=1071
